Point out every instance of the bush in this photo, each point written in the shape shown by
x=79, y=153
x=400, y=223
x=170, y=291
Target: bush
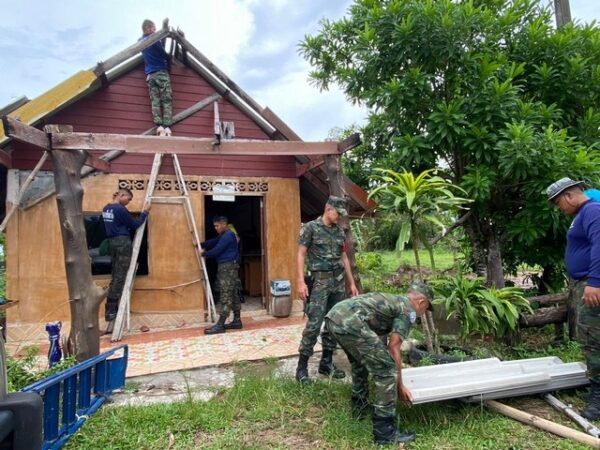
x=23, y=371
x=481, y=310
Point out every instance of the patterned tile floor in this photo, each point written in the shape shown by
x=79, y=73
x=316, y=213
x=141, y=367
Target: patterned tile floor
x=164, y=351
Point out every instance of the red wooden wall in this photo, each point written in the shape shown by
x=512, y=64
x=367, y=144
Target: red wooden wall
x=124, y=107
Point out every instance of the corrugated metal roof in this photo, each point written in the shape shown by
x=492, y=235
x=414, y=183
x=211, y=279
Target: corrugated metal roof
x=491, y=378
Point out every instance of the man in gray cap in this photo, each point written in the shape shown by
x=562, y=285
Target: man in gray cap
x=582, y=258
x=323, y=243
x=357, y=324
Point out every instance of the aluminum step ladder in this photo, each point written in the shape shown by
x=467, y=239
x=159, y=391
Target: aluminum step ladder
x=122, y=320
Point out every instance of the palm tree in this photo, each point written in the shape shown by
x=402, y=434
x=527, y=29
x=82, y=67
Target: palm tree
x=420, y=200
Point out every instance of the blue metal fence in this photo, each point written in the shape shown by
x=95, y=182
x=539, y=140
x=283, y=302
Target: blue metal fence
x=73, y=394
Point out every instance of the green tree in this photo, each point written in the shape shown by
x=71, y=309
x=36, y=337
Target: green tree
x=486, y=87
x=419, y=200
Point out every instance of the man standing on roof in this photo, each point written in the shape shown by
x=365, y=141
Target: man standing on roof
x=357, y=324
x=324, y=242
x=582, y=258
x=156, y=68
x=118, y=225
x=224, y=248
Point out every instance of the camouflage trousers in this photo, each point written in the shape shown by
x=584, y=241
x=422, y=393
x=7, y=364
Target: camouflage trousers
x=326, y=292
x=228, y=281
x=120, y=259
x=588, y=330
x=368, y=355
x=159, y=86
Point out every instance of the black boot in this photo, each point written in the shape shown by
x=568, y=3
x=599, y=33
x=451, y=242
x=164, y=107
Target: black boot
x=110, y=309
x=361, y=409
x=236, y=323
x=326, y=366
x=592, y=408
x=385, y=432
x=218, y=327
x=302, y=369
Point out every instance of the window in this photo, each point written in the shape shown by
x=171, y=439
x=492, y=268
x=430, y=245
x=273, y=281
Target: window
x=98, y=246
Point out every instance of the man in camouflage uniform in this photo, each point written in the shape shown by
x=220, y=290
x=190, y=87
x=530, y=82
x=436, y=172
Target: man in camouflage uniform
x=323, y=242
x=119, y=225
x=224, y=248
x=156, y=68
x=358, y=324
x=582, y=258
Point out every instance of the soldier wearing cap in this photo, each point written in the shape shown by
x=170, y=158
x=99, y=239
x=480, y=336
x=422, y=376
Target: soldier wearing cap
x=322, y=245
x=357, y=324
x=582, y=258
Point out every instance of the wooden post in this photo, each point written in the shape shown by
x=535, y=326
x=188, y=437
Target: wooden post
x=84, y=295
x=334, y=178
x=543, y=424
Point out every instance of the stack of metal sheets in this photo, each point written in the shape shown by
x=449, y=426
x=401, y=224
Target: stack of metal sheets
x=491, y=378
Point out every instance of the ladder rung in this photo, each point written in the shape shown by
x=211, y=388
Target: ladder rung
x=167, y=200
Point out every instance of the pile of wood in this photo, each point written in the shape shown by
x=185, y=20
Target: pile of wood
x=552, y=309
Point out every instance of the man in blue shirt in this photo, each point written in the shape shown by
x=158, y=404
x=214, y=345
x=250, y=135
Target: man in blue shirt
x=582, y=258
x=156, y=68
x=224, y=248
x=119, y=225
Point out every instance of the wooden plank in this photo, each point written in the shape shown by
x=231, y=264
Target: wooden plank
x=22, y=191
x=193, y=51
x=349, y=143
x=183, y=145
x=13, y=105
x=301, y=169
x=97, y=163
x=543, y=424
x=280, y=126
x=51, y=100
x=129, y=52
x=23, y=132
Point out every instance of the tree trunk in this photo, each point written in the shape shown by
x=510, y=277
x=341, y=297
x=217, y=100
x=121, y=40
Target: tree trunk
x=476, y=237
x=495, y=271
x=84, y=295
x=429, y=330
x=544, y=316
x=334, y=177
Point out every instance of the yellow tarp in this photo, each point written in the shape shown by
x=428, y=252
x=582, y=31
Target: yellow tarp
x=51, y=100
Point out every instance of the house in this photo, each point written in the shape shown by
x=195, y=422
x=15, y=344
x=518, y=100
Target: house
x=266, y=196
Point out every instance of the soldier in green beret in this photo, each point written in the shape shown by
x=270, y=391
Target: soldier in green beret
x=322, y=245
x=357, y=325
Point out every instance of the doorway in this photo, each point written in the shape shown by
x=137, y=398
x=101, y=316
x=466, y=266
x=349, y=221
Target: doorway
x=245, y=214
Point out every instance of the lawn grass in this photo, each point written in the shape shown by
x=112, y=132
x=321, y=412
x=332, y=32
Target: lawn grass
x=392, y=260
x=272, y=412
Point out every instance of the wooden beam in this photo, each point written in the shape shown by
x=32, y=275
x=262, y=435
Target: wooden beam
x=280, y=126
x=358, y=194
x=22, y=132
x=183, y=145
x=109, y=156
x=130, y=51
x=97, y=163
x=193, y=51
x=301, y=169
x=22, y=191
x=349, y=143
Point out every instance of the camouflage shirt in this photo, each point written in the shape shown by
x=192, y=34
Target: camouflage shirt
x=383, y=313
x=325, y=245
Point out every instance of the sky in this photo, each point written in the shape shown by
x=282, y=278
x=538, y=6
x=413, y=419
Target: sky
x=255, y=42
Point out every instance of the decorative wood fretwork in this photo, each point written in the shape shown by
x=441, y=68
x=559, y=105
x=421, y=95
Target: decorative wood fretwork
x=207, y=186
